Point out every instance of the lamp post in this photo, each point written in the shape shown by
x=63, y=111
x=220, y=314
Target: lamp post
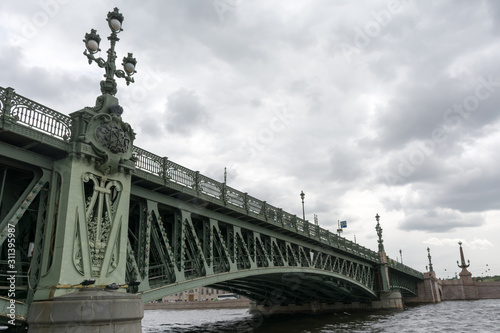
x=302, y=195
x=430, y=260
x=462, y=258
x=92, y=40
x=379, y=230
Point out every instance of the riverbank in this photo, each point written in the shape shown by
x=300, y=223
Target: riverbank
x=241, y=303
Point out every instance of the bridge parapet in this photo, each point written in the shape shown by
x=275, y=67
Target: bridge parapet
x=16, y=108
x=403, y=268
x=227, y=196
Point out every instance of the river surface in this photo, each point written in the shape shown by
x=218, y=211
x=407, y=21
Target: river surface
x=451, y=316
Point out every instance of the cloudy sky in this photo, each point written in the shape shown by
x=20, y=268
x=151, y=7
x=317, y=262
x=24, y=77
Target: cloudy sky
x=387, y=107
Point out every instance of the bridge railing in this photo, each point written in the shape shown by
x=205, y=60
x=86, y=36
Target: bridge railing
x=403, y=268
x=149, y=162
x=16, y=108
x=226, y=195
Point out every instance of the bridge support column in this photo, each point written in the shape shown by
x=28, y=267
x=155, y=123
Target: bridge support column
x=88, y=310
x=390, y=300
x=86, y=257
x=428, y=291
x=90, y=232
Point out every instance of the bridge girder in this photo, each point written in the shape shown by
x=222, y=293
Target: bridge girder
x=185, y=243
x=297, y=288
x=280, y=284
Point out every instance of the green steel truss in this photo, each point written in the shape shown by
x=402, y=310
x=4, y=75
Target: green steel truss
x=184, y=230
x=174, y=245
x=402, y=282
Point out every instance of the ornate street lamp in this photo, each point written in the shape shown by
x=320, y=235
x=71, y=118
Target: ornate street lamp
x=379, y=230
x=430, y=260
x=302, y=195
x=92, y=40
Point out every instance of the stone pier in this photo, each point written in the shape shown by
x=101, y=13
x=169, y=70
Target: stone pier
x=389, y=300
x=428, y=291
x=88, y=311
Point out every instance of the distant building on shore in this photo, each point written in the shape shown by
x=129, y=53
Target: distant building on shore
x=197, y=294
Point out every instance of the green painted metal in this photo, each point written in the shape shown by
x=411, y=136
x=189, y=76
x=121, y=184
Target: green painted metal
x=92, y=40
x=85, y=239
x=383, y=267
x=22, y=209
x=215, y=245
x=378, y=228
x=103, y=209
x=266, y=280
x=404, y=283
x=36, y=259
x=9, y=224
x=17, y=109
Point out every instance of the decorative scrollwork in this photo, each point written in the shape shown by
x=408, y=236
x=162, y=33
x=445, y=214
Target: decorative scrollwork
x=100, y=212
x=111, y=139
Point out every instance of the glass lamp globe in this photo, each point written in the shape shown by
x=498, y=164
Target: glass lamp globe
x=115, y=25
x=129, y=67
x=92, y=45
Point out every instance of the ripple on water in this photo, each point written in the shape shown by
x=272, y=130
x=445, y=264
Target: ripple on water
x=458, y=316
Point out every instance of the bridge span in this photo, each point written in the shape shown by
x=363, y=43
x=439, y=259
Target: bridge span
x=83, y=209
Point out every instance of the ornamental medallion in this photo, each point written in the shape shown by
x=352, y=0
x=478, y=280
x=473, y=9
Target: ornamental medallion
x=112, y=137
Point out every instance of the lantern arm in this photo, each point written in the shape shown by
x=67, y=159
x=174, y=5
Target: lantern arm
x=122, y=74
x=99, y=61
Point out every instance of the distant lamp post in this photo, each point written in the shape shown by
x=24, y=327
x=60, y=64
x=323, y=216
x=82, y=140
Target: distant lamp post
x=92, y=40
x=462, y=265
x=302, y=195
x=430, y=261
x=379, y=234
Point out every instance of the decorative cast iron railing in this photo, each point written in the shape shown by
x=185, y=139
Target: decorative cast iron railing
x=23, y=110
x=170, y=171
x=402, y=267
x=18, y=109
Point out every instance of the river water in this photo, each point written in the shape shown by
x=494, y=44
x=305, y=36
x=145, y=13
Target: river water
x=451, y=316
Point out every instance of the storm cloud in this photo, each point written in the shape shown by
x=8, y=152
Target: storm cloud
x=387, y=107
